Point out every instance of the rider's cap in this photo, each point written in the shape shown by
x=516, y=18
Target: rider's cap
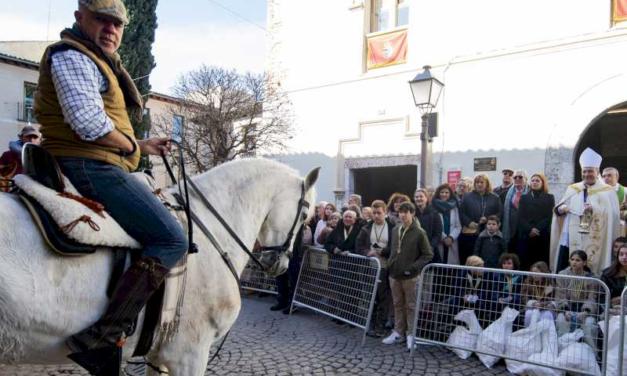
x=29, y=130
x=113, y=8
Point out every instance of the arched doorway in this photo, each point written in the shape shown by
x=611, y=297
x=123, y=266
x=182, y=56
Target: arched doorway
x=595, y=117
x=608, y=136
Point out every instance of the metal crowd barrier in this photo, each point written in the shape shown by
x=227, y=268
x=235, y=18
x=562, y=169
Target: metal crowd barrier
x=553, y=319
x=621, y=344
x=341, y=287
x=254, y=279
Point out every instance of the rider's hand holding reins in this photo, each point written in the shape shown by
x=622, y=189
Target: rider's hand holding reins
x=155, y=146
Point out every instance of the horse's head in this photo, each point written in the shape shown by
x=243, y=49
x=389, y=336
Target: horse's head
x=284, y=220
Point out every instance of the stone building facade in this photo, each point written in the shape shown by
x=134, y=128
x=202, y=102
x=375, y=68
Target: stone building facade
x=530, y=84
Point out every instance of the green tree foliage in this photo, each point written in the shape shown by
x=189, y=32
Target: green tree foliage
x=136, y=53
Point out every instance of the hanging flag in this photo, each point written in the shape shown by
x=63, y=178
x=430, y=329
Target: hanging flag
x=387, y=49
x=619, y=11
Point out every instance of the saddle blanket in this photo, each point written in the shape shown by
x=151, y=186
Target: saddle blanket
x=109, y=233
x=78, y=222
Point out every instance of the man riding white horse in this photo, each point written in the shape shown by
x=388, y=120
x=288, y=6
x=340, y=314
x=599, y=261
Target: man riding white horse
x=81, y=103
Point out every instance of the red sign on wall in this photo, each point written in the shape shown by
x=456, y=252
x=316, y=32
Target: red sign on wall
x=453, y=177
x=619, y=11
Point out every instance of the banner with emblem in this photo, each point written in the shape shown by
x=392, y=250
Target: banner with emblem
x=619, y=11
x=387, y=49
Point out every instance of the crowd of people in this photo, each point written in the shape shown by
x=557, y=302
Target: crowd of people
x=515, y=226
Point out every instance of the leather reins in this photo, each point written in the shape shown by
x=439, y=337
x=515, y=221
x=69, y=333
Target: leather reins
x=192, y=217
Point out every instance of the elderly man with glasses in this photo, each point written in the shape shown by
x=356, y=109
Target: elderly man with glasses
x=11, y=160
x=510, y=208
x=502, y=189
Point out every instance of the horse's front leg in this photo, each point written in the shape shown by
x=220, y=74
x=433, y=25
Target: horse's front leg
x=183, y=357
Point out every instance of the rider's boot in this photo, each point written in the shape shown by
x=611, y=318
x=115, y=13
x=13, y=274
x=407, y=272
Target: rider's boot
x=102, y=341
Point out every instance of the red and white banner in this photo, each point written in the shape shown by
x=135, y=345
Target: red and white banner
x=619, y=11
x=387, y=49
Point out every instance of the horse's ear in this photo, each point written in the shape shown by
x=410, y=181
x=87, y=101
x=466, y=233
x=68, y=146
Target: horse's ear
x=311, y=178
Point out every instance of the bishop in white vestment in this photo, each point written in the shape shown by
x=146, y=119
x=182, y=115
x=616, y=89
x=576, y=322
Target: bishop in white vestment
x=586, y=218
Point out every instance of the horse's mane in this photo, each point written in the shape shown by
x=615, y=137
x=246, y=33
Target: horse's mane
x=246, y=171
x=247, y=167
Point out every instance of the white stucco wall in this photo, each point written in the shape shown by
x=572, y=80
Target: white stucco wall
x=12, y=80
x=523, y=81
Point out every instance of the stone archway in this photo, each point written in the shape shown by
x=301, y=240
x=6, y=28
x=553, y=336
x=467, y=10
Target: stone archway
x=592, y=117
x=608, y=136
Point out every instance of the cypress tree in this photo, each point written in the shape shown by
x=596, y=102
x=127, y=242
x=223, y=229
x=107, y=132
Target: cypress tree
x=136, y=54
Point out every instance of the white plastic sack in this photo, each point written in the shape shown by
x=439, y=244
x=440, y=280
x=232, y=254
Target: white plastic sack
x=548, y=355
x=465, y=336
x=613, y=342
x=494, y=338
x=569, y=338
x=579, y=356
x=524, y=343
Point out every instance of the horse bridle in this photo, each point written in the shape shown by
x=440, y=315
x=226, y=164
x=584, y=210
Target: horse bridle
x=302, y=203
x=192, y=217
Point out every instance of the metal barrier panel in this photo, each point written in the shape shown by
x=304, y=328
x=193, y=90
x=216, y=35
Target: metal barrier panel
x=621, y=344
x=533, y=320
x=255, y=279
x=341, y=287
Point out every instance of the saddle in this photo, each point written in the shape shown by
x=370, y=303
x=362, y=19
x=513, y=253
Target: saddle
x=73, y=225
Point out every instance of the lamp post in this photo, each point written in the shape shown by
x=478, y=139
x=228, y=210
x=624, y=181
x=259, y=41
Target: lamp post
x=426, y=91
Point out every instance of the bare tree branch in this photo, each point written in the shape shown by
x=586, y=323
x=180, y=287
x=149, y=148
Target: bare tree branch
x=228, y=115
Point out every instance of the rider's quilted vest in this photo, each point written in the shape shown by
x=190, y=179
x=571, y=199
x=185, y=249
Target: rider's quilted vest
x=58, y=137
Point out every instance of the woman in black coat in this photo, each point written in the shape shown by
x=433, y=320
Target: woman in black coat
x=429, y=220
x=535, y=212
x=474, y=210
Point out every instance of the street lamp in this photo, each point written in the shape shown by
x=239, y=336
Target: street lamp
x=426, y=90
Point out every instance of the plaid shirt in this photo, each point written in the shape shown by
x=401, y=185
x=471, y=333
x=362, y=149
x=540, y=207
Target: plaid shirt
x=79, y=83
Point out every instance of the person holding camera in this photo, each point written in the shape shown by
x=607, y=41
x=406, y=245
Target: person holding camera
x=374, y=240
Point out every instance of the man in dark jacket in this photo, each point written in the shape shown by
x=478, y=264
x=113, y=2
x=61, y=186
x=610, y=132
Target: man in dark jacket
x=511, y=204
x=409, y=253
x=374, y=240
x=502, y=189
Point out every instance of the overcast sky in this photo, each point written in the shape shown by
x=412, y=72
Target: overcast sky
x=190, y=32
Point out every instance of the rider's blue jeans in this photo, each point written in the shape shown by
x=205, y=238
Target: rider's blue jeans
x=131, y=204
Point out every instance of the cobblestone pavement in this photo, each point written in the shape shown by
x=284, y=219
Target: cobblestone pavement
x=270, y=343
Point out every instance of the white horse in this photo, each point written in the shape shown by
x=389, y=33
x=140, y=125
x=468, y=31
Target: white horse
x=45, y=298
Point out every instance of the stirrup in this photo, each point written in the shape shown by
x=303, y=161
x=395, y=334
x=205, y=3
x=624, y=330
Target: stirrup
x=104, y=361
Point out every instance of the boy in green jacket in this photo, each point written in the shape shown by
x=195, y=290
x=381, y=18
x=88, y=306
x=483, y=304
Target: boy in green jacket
x=409, y=253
